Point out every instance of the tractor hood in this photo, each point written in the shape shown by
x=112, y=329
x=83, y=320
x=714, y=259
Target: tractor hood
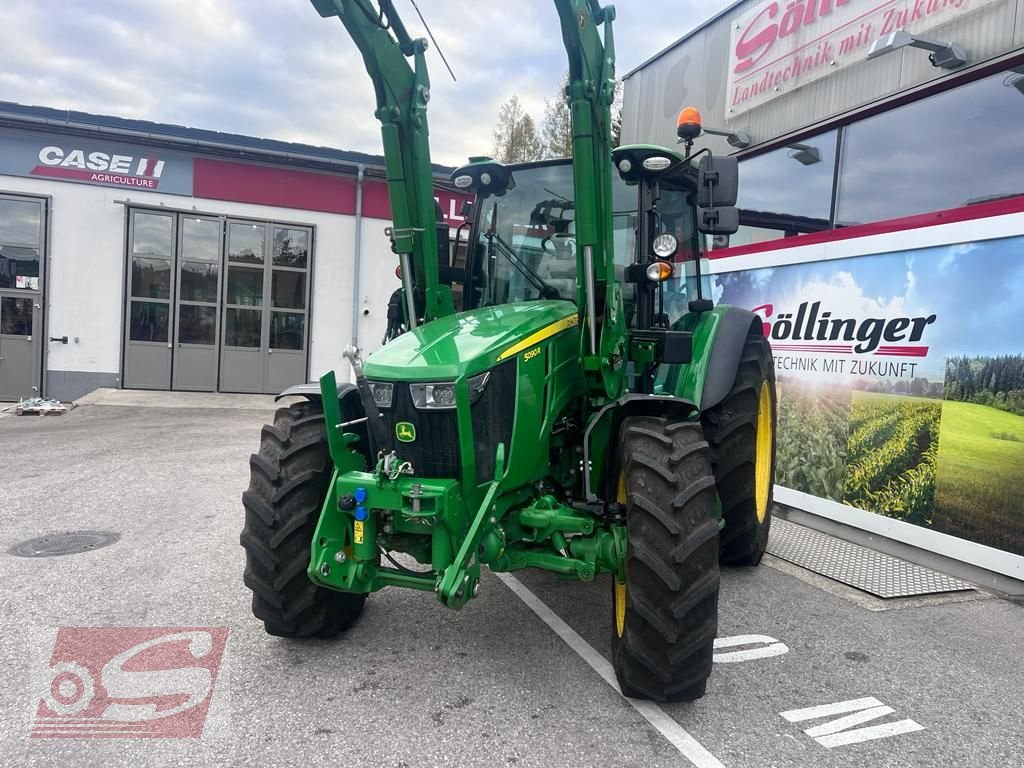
x=470, y=342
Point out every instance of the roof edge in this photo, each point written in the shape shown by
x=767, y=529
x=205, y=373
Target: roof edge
x=22, y=116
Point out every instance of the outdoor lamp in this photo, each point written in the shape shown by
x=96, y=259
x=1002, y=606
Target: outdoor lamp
x=805, y=153
x=1015, y=80
x=945, y=55
x=738, y=139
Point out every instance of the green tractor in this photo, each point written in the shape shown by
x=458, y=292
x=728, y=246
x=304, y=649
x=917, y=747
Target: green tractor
x=585, y=409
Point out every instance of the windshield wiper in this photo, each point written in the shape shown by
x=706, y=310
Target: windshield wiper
x=493, y=238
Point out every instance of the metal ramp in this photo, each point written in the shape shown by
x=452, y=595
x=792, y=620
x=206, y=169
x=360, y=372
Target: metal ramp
x=873, y=572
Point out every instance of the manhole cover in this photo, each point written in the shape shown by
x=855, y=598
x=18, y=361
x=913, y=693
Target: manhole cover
x=68, y=543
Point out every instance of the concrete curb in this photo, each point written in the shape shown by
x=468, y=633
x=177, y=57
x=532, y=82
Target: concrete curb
x=108, y=396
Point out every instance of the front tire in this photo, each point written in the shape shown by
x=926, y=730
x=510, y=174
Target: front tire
x=665, y=616
x=289, y=481
x=741, y=431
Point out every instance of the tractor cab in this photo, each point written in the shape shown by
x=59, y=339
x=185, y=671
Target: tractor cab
x=523, y=238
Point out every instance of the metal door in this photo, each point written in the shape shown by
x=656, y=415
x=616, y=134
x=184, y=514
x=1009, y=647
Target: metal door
x=19, y=358
x=148, y=346
x=289, y=302
x=22, y=232
x=196, y=324
x=266, y=298
x=242, y=355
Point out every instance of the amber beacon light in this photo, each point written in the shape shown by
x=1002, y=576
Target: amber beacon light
x=688, y=125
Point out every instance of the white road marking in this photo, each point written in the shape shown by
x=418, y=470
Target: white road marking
x=824, y=710
x=842, y=723
x=770, y=647
x=678, y=736
x=872, y=732
x=837, y=733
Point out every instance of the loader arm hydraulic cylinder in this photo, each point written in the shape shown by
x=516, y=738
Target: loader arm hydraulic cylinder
x=402, y=91
x=591, y=91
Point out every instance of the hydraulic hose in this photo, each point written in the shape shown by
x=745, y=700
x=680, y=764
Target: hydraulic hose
x=374, y=420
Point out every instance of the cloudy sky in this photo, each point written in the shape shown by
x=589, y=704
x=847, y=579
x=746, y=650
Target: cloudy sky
x=275, y=69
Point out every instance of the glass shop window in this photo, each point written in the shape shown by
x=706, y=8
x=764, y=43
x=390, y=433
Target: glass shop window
x=786, y=192
x=957, y=148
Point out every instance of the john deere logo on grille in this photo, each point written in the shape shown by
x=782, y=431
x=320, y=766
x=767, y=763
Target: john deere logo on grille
x=405, y=432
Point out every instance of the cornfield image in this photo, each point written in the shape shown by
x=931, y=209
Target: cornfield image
x=811, y=443
x=892, y=452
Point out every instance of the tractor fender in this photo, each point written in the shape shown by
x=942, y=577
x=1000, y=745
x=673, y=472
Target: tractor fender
x=610, y=419
x=312, y=392
x=734, y=328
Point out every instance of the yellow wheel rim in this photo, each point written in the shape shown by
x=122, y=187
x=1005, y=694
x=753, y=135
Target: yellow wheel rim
x=763, y=455
x=620, y=589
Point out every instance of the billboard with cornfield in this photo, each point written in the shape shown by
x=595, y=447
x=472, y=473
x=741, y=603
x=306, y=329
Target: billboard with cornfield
x=901, y=382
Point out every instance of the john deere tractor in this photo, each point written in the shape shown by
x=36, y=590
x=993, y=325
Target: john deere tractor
x=585, y=409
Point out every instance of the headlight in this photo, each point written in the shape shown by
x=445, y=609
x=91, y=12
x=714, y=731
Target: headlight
x=383, y=391
x=441, y=395
x=665, y=246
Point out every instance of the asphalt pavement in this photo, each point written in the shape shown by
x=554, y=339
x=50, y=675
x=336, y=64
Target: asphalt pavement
x=809, y=673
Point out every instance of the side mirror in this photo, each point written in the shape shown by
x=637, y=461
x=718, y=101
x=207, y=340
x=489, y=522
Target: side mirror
x=718, y=181
x=720, y=220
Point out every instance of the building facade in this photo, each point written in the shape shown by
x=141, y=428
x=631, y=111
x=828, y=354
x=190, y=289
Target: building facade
x=882, y=241
x=150, y=256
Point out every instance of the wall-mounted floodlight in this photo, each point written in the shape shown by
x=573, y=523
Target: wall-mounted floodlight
x=805, y=153
x=738, y=139
x=945, y=55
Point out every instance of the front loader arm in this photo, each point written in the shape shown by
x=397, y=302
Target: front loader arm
x=402, y=94
x=591, y=91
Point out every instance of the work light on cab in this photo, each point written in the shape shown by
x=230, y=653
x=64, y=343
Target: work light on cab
x=657, y=162
x=660, y=271
x=665, y=246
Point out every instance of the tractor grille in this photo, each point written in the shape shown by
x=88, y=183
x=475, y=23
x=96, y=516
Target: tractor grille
x=435, y=452
x=493, y=415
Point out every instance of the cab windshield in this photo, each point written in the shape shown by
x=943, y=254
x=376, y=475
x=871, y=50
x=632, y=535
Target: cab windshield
x=525, y=240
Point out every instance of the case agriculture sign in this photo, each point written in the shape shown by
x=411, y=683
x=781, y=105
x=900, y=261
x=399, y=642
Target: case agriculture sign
x=778, y=45
x=94, y=161
x=899, y=394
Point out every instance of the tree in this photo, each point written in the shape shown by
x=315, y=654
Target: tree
x=617, y=114
x=515, y=138
x=556, y=131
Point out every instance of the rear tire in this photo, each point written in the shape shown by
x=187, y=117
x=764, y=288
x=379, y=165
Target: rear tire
x=289, y=480
x=733, y=428
x=662, y=645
